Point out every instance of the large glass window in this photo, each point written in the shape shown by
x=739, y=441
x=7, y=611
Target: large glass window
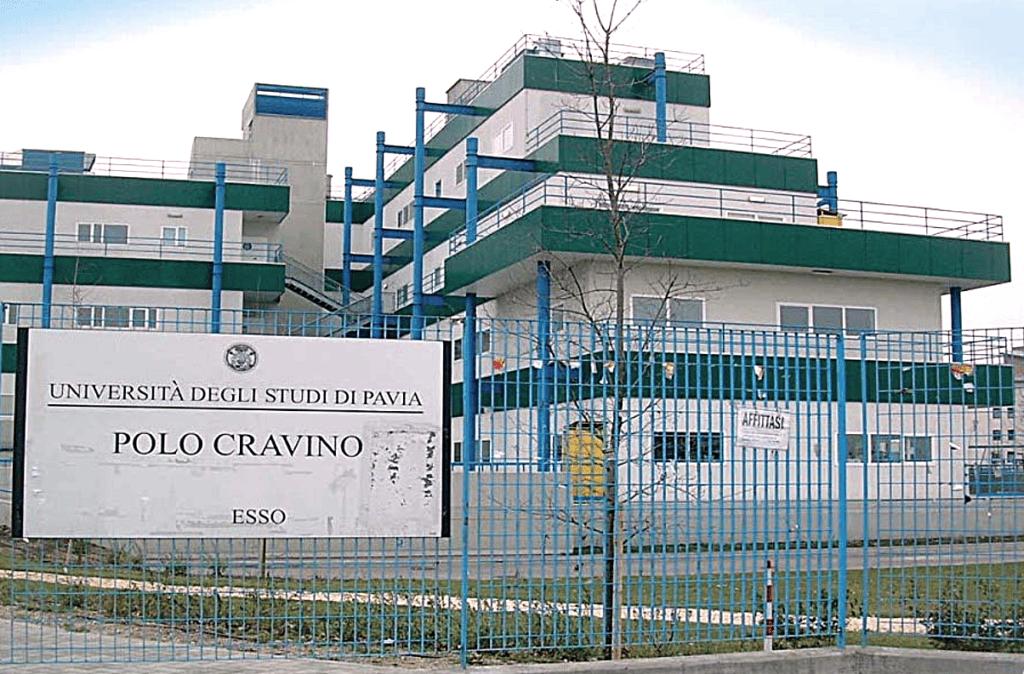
x=649, y=310
x=826, y=319
x=687, y=447
x=889, y=448
x=98, y=232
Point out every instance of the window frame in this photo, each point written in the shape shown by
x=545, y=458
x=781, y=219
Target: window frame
x=179, y=235
x=809, y=328
x=666, y=304
x=98, y=233
x=906, y=442
x=699, y=447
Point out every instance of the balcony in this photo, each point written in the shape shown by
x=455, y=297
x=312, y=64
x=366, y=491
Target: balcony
x=34, y=243
x=668, y=198
x=681, y=133
x=252, y=172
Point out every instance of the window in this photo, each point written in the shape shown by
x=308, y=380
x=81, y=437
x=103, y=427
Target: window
x=687, y=447
x=118, y=318
x=483, y=451
x=97, y=232
x=997, y=435
x=826, y=319
x=402, y=295
x=483, y=344
x=437, y=188
x=436, y=280
x=656, y=310
x=888, y=448
x=503, y=139
x=11, y=314
x=144, y=318
x=460, y=173
x=173, y=236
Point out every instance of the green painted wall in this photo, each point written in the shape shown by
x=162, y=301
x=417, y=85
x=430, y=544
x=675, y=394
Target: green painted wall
x=701, y=376
x=9, y=357
x=569, y=230
x=141, y=273
x=361, y=211
x=362, y=279
x=144, y=192
x=690, y=164
x=550, y=74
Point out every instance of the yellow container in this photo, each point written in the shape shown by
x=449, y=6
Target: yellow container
x=583, y=456
x=830, y=220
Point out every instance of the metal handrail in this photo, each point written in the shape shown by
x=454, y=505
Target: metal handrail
x=581, y=191
x=554, y=47
x=310, y=277
x=34, y=242
x=249, y=172
x=682, y=133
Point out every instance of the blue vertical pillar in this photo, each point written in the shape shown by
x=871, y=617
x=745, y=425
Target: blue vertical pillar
x=843, y=524
x=469, y=392
x=419, y=167
x=218, y=248
x=544, y=355
x=957, y=324
x=346, y=241
x=51, y=230
x=378, y=241
x=660, y=96
x=472, y=149
x=833, y=191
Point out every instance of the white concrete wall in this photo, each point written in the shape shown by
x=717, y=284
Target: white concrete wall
x=748, y=296
x=145, y=226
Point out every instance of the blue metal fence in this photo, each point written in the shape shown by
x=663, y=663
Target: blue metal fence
x=611, y=502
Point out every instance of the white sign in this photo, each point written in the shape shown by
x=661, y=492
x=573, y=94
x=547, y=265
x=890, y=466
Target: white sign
x=764, y=429
x=133, y=434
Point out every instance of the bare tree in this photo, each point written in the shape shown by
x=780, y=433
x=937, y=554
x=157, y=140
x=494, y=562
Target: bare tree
x=614, y=229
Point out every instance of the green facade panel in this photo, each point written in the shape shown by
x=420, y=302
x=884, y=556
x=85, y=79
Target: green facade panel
x=361, y=211
x=9, y=358
x=627, y=82
x=144, y=192
x=141, y=273
x=690, y=164
x=569, y=230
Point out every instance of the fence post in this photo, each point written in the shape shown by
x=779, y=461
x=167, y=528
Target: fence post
x=864, y=488
x=842, y=449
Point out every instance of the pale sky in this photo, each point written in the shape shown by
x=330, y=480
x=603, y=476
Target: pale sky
x=912, y=102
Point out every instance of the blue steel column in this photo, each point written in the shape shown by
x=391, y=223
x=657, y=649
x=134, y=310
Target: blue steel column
x=469, y=392
x=378, y=241
x=660, y=96
x=833, y=191
x=956, y=323
x=346, y=241
x=472, y=148
x=218, y=248
x=51, y=228
x=843, y=524
x=543, y=383
x=419, y=167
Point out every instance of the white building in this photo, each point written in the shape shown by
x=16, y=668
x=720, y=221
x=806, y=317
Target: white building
x=731, y=228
